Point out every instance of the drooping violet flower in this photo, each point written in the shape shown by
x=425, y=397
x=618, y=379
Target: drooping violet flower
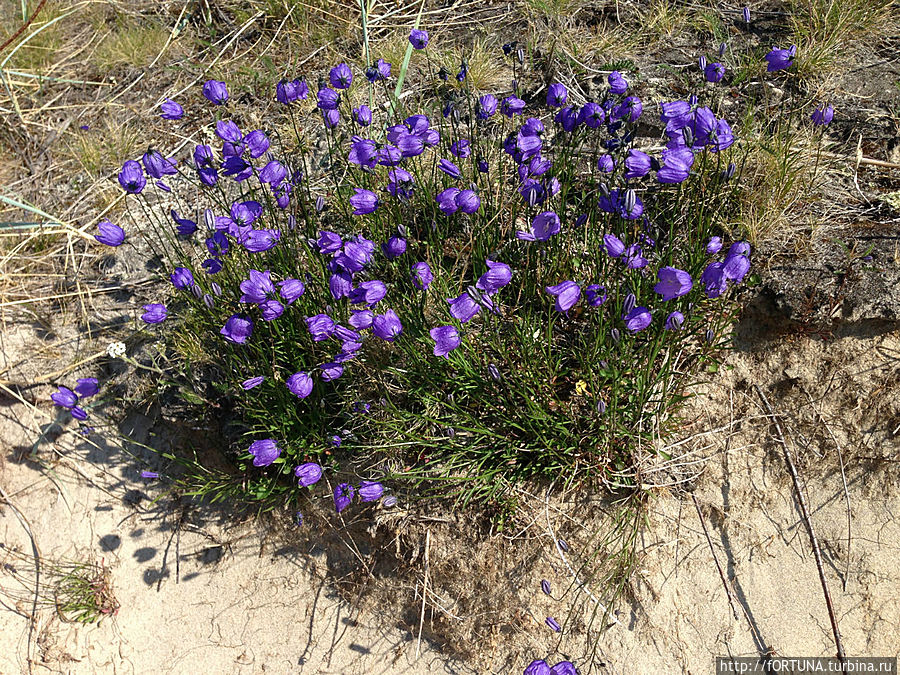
x=264, y=452
x=362, y=115
x=446, y=201
x=252, y=382
x=511, y=106
x=131, y=177
x=320, y=326
x=64, y=398
x=487, y=106
x=633, y=257
x=735, y=267
x=370, y=490
x=613, y=245
x=331, y=371
x=545, y=225
x=418, y=38
x=780, y=59
x=387, y=326
x=637, y=164
x=182, y=278
x=361, y=319
x=446, y=339
x=86, y=387
x=714, y=72
x=606, y=164
x=154, y=313
x=564, y=668
x=468, y=201
x=368, y=292
x=822, y=115
x=557, y=95
x=327, y=99
x=422, y=275
x=714, y=245
x=308, y=474
x=537, y=667
x=464, y=308
x=553, y=624
x=171, y=110
x=340, y=76
x=257, y=241
x=291, y=289
x=394, y=247
x=300, y=384
x=638, y=319
x=714, y=280
x=449, y=168
x=498, y=275
x=567, y=294
x=364, y=202
x=215, y=91
x=109, y=234
x=673, y=283
x=237, y=329
x=343, y=495
x=617, y=83
x=461, y=148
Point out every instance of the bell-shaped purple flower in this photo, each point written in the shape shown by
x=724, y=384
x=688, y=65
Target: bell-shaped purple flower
x=154, y=313
x=131, y=177
x=64, y=398
x=468, y=201
x=343, y=495
x=498, y=275
x=567, y=294
x=822, y=115
x=361, y=319
x=264, y=452
x=714, y=245
x=714, y=280
x=364, y=202
x=780, y=59
x=461, y=148
x=673, y=283
x=308, y=474
x=86, y=387
x=182, y=278
x=449, y=168
x=215, y=91
x=557, y=95
x=171, y=110
x=446, y=201
x=300, y=384
x=446, y=339
x=735, y=267
x=320, y=326
x=511, y=106
x=387, y=326
x=418, y=38
x=331, y=371
x=487, y=106
x=237, y=329
x=273, y=173
x=368, y=292
x=362, y=115
x=637, y=319
x=613, y=245
x=464, y=308
x=394, y=247
x=422, y=275
x=714, y=72
x=340, y=76
x=595, y=295
x=252, y=383
x=537, y=667
x=109, y=234
x=637, y=164
x=370, y=490
x=291, y=289
x=606, y=164
x=545, y=225
x=617, y=83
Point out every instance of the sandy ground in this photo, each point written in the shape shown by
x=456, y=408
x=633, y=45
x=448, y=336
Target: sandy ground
x=203, y=592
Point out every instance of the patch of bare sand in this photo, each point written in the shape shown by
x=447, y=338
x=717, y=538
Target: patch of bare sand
x=215, y=595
